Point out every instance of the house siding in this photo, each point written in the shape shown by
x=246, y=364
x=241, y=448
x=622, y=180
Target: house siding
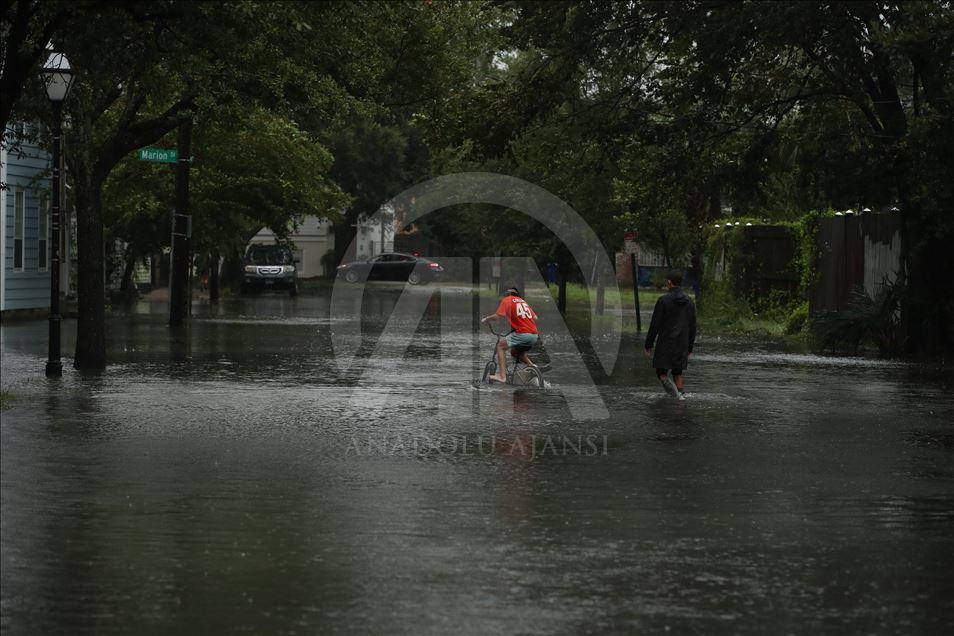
x=311, y=242
x=26, y=168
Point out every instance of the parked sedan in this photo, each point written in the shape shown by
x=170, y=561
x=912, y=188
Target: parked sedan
x=392, y=266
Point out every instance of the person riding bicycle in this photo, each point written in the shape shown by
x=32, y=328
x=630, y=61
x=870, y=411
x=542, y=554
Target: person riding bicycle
x=523, y=336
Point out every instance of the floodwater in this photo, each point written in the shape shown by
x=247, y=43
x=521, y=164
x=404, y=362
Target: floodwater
x=233, y=479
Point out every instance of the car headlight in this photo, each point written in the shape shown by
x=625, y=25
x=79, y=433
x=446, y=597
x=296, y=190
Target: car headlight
x=288, y=268
x=250, y=269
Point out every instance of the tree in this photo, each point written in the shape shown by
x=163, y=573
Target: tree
x=891, y=64
x=140, y=67
x=740, y=88
x=257, y=170
x=27, y=27
x=369, y=161
x=265, y=173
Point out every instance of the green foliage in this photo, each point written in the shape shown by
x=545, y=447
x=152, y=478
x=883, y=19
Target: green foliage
x=368, y=163
x=641, y=115
x=777, y=306
x=141, y=215
x=664, y=230
x=773, y=315
x=727, y=243
x=266, y=172
x=868, y=319
x=722, y=307
x=256, y=170
x=798, y=320
x=780, y=112
x=806, y=233
x=658, y=279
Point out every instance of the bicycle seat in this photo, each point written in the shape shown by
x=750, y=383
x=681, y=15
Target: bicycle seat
x=519, y=350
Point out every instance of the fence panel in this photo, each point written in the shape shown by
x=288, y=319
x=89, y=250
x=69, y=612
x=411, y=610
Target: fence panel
x=853, y=253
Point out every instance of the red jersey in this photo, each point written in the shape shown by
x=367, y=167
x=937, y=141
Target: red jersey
x=519, y=313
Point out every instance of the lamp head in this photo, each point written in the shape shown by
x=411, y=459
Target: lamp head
x=58, y=75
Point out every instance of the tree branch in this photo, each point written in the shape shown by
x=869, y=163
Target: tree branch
x=138, y=134
x=847, y=92
x=18, y=63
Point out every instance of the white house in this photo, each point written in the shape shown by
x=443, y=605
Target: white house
x=25, y=213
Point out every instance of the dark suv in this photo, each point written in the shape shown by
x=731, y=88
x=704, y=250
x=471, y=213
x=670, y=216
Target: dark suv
x=269, y=267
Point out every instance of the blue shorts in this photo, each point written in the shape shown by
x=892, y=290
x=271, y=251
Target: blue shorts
x=522, y=339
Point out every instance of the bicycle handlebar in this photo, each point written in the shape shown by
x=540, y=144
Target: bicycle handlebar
x=490, y=325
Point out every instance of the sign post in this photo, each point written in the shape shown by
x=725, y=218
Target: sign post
x=179, y=294
x=631, y=245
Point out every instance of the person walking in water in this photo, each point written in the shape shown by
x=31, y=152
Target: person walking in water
x=671, y=335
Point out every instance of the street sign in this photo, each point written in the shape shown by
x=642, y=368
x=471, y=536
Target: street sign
x=160, y=155
x=631, y=243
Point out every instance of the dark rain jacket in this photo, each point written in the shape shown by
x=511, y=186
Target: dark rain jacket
x=672, y=331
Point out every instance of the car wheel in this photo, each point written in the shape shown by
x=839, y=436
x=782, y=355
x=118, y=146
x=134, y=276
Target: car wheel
x=414, y=278
x=243, y=290
x=351, y=276
x=293, y=291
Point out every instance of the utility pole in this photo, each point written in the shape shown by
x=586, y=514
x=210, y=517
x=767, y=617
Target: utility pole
x=54, y=366
x=181, y=230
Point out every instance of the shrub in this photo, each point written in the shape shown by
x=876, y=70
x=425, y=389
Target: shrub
x=797, y=320
x=722, y=304
x=873, y=319
x=658, y=279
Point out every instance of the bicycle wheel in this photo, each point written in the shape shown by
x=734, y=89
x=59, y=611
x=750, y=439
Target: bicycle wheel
x=528, y=376
x=489, y=370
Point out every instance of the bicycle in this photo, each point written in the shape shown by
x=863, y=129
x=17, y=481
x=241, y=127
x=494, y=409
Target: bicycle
x=517, y=376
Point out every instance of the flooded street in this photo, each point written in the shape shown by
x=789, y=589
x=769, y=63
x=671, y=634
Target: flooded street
x=232, y=478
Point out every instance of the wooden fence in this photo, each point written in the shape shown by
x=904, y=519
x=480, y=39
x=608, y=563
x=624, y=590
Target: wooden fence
x=854, y=253
x=765, y=263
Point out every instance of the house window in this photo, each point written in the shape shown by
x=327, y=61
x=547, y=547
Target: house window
x=18, y=211
x=42, y=233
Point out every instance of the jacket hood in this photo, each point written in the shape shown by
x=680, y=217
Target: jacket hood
x=679, y=296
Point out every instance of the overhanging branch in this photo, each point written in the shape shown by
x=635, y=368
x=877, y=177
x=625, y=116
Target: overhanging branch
x=139, y=134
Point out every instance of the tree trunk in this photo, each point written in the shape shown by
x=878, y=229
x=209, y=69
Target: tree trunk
x=926, y=309
x=344, y=236
x=927, y=313
x=712, y=210
x=697, y=273
x=129, y=266
x=90, y=279
x=214, y=277
x=563, y=266
x=600, y=296
x=561, y=292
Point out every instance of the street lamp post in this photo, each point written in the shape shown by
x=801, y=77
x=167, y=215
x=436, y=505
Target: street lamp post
x=59, y=77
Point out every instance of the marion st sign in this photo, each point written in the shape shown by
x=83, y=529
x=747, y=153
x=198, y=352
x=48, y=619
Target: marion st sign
x=160, y=155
